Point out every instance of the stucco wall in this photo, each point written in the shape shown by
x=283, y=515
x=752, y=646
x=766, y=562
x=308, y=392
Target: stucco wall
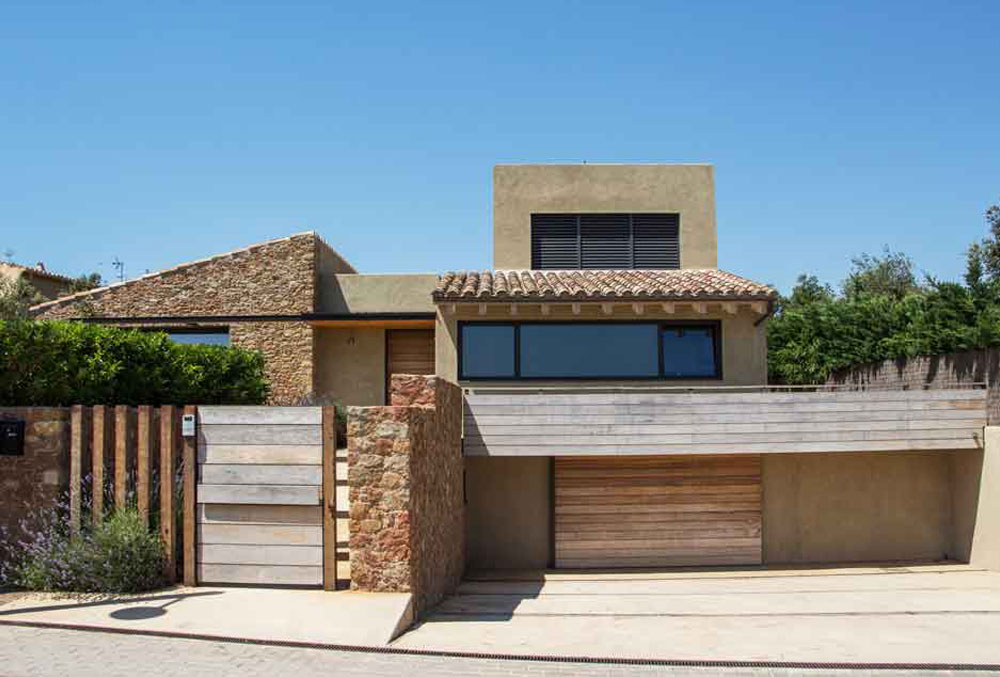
x=744, y=346
x=520, y=190
x=507, y=513
x=350, y=365
x=409, y=293
x=867, y=507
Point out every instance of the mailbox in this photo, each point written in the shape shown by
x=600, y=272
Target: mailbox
x=11, y=438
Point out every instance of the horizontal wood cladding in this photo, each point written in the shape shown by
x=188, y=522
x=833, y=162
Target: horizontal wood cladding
x=259, y=514
x=657, y=511
x=574, y=424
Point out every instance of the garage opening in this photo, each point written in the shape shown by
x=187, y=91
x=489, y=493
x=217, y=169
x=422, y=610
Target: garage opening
x=657, y=511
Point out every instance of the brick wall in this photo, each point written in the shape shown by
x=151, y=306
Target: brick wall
x=38, y=479
x=405, y=479
x=273, y=278
x=933, y=372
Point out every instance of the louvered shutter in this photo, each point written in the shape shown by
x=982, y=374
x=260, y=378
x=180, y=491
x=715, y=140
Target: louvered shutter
x=656, y=240
x=605, y=241
x=555, y=243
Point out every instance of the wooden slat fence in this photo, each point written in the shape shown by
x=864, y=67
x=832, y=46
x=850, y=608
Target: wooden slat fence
x=121, y=455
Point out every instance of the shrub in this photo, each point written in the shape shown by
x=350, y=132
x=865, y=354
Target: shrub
x=120, y=555
x=62, y=363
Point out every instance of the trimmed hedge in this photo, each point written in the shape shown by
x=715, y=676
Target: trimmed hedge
x=63, y=363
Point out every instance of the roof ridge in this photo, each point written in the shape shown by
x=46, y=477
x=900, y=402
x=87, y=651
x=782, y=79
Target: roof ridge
x=180, y=266
x=38, y=271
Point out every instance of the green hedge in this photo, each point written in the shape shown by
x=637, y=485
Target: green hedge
x=62, y=363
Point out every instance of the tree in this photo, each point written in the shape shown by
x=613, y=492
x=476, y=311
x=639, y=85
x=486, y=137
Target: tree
x=890, y=274
x=16, y=297
x=86, y=282
x=983, y=257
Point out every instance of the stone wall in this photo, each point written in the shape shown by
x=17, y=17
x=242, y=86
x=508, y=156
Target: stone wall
x=276, y=278
x=932, y=372
x=33, y=482
x=405, y=477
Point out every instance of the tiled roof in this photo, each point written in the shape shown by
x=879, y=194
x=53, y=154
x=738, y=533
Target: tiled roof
x=516, y=285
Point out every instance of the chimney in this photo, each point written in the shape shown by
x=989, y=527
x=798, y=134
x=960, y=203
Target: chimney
x=40, y=266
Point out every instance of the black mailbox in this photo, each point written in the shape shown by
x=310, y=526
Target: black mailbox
x=11, y=438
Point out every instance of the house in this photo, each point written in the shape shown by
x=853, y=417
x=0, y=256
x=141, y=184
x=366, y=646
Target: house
x=616, y=411
x=49, y=285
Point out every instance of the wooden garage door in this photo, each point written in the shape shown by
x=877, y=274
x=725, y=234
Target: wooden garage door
x=409, y=351
x=657, y=511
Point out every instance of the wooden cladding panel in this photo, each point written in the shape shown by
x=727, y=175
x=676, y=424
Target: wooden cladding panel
x=657, y=511
x=573, y=424
x=260, y=492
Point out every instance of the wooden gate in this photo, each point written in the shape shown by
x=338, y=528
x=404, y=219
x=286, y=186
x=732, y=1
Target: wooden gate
x=265, y=496
x=653, y=511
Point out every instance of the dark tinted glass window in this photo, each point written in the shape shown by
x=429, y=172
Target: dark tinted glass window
x=588, y=350
x=214, y=338
x=487, y=351
x=689, y=352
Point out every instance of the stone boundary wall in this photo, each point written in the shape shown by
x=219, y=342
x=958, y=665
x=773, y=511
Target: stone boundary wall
x=930, y=372
x=404, y=472
x=39, y=479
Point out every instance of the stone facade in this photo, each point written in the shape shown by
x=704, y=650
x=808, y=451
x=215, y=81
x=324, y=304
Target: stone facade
x=277, y=278
x=38, y=479
x=405, y=477
x=931, y=372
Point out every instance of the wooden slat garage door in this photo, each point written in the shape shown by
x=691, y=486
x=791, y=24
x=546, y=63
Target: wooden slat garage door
x=409, y=351
x=657, y=511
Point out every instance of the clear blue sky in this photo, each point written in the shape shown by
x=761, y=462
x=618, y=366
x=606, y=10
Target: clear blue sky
x=163, y=132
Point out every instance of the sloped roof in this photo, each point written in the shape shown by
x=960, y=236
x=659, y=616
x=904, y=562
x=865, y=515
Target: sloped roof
x=554, y=285
x=35, y=270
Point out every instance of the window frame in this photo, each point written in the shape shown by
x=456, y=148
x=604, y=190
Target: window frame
x=714, y=325
x=207, y=331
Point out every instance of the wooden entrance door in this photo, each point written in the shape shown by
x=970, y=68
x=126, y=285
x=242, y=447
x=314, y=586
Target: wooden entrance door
x=657, y=511
x=408, y=351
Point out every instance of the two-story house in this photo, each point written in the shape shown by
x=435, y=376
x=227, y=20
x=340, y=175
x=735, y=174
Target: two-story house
x=616, y=407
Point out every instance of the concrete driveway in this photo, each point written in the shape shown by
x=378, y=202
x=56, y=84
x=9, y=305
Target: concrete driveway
x=945, y=614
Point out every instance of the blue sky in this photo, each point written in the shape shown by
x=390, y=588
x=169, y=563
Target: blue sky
x=163, y=132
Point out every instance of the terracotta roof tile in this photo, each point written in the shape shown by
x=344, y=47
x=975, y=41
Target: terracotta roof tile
x=514, y=285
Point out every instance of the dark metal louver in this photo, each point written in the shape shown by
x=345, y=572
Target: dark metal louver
x=629, y=241
x=555, y=242
x=657, y=240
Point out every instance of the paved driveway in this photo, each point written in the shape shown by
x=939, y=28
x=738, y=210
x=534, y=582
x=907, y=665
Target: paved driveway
x=929, y=614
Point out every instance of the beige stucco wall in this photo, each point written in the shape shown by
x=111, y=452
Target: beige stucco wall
x=868, y=507
x=407, y=293
x=507, y=513
x=986, y=541
x=520, y=190
x=744, y=346
x=350, y=365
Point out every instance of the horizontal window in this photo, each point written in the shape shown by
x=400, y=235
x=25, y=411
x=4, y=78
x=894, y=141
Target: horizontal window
x=609, y=350
x=632, y=241
x=205, y=338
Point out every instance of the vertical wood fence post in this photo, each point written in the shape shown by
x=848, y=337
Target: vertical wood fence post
x=190, y=501
x=122, y=412
x=168, y=450
x=98, y=447
x=77, y=442
x=143, y=460
x=329, y=498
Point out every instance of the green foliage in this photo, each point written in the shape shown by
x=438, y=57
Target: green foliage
x=85, y=283
x=16, y=297
x=62, y=363
x=882, y=313
x=120, y=555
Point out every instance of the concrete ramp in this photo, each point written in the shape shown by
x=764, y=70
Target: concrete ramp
x=268, y=614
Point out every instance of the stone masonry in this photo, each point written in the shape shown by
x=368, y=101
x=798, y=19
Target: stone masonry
x=36, y=481
x=276, y=278
x=405, y=477
x=930, y=372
